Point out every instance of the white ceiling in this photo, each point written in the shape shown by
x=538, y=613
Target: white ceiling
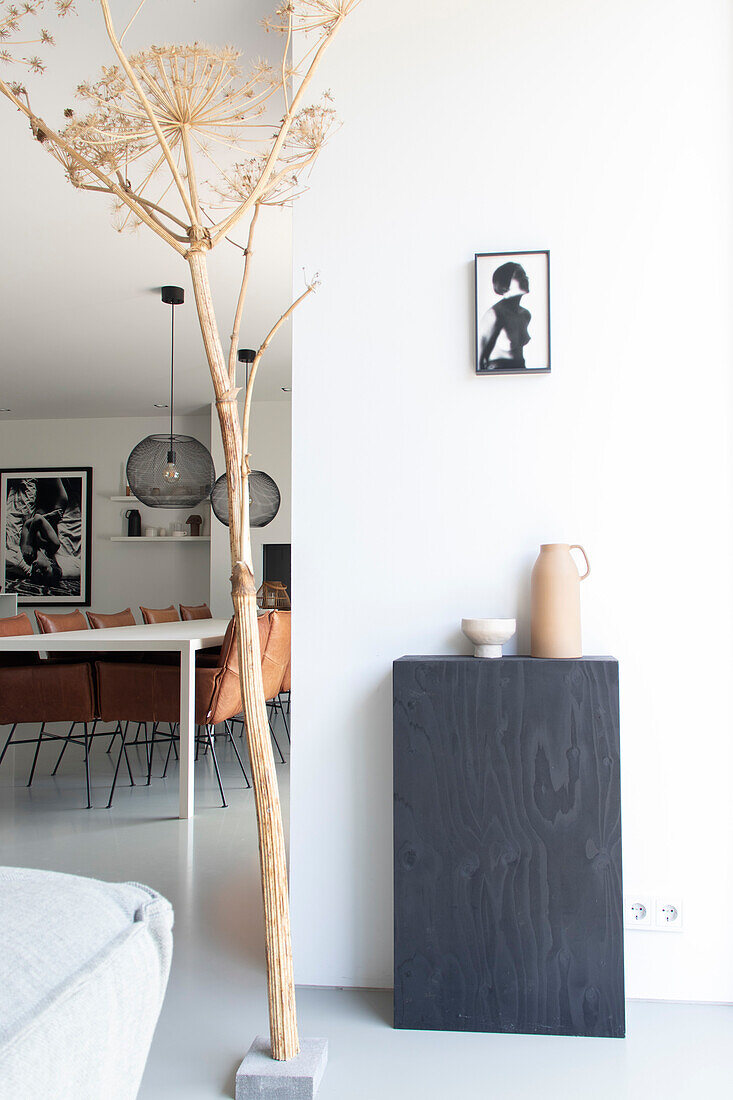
x=84, y=333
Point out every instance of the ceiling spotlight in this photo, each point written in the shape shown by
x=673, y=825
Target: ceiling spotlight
x=5, y=410
x=156, y=405
x=287, y=389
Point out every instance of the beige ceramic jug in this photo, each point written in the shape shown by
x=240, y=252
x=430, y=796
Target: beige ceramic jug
x=556, y=602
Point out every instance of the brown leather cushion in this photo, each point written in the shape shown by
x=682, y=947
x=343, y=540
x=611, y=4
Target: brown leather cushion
x=104, y=622
x=285, y=685
x=47, y=693
x=202, y=611
x=16, y=626
x=151, y=693
x=56, y=624
x=159, y=614
x=118, y=618
x=276, y=653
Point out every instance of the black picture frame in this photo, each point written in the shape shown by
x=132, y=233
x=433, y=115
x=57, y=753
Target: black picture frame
x=46, y=551
x=512, y=337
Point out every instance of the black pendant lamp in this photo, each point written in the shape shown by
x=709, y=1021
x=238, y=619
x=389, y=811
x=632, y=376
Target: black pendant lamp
x=170, y=471
x=264, y=495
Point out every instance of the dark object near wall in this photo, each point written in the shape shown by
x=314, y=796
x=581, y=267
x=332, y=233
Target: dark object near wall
x=134, y=523
x=276, y=563
x=507, y=840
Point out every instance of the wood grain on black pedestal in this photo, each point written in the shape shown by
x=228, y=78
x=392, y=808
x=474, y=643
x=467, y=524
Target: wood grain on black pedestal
x=507, y=833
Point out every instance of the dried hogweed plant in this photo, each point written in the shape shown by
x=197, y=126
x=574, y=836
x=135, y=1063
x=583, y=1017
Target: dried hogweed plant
x=183, y=142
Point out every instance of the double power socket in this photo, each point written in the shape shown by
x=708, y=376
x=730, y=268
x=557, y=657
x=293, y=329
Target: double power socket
x=653, y=914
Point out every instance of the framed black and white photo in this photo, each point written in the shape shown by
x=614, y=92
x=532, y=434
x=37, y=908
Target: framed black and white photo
x=46, y=535
x=513, y=312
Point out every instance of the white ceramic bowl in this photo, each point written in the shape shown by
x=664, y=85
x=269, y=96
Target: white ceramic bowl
x=488, y=635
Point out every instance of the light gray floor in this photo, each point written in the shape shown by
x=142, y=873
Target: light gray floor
x=216, y=998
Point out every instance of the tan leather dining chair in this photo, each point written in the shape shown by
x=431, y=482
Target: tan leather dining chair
x=159, y=615
x=98, y=621
x=202, y=611
x=274, y=628
x=43, y=691
x=150, y=693
x=59, y=624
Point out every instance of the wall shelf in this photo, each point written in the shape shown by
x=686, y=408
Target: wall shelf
x=134, y=501
x=184, y=540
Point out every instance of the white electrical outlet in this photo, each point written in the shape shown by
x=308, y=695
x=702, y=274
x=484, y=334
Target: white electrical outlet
x=638, y=911
x=668, y=914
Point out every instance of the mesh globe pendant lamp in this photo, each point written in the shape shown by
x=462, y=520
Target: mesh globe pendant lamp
x=169, y=470
x=264, y=495
x=264, y=499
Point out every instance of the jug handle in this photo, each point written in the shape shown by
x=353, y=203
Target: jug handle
x=575, y=546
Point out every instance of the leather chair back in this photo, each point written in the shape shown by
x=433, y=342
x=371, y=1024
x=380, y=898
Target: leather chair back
x=202, y=611
x=285, y=685
x=55, y=624
x=159, y=614
x=226, y=695
x=50, y=691
x=58, y=624
x=275, y=651
x=13, y=627
x=118, y=618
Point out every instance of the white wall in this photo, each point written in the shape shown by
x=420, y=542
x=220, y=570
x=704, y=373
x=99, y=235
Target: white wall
x=123, y=574
x=421, y=492
x=270, y=447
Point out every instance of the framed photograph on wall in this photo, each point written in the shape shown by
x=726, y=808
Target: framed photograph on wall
x=513, y=312
x=46, y=535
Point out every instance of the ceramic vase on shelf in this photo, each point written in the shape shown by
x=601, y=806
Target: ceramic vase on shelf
x=556, y=601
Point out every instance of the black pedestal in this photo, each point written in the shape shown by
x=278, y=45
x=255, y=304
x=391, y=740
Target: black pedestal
x=507, y=838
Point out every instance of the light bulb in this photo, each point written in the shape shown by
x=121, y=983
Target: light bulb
x=171, y=471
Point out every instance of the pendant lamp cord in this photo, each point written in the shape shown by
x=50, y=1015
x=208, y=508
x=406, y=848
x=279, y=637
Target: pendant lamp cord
x=173, y=337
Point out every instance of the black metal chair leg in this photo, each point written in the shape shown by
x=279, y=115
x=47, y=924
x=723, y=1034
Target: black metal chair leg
x=228, y=729
x=86, y=766
x=64, y=748
x=123, y=748
x=35, y=756
x=274, y=738
x=279, y=706
x=127, y=758
x=150, y=754
x=10, y=737
x=216, y=764
x=112, y=738
x=167, y=758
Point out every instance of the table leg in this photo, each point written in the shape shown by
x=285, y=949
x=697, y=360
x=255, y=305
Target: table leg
x=188, y=729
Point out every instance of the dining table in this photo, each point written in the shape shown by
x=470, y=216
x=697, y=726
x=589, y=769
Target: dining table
x=184, y=638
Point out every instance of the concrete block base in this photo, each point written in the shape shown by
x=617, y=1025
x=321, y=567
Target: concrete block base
x=260, y=1076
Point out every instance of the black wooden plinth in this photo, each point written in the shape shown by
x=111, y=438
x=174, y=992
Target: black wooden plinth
x=507, y=842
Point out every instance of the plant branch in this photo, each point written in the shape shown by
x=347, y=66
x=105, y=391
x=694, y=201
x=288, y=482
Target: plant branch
x=132, y=19
x=149, y=205
x=225, y=226
x=262, y=349
x=145, y=103
x=38, y=126
x=234, y=339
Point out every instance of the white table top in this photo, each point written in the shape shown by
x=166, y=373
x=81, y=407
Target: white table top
x=195, y=634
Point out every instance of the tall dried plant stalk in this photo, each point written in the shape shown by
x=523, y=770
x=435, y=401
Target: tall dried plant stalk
x=181, y=140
